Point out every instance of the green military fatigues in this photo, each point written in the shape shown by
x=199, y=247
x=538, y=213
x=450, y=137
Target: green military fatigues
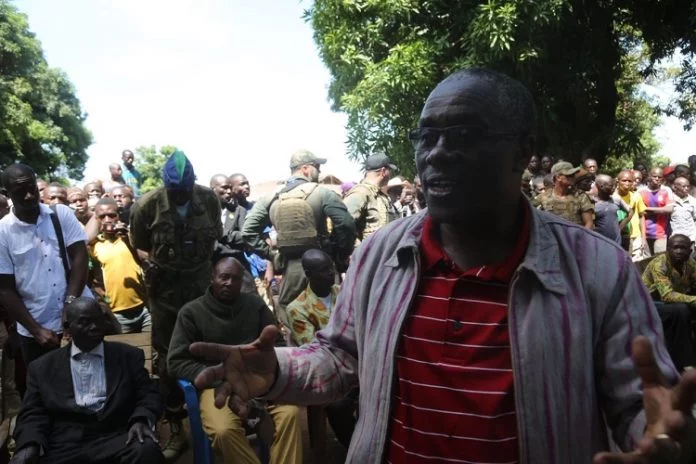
x=370, y=208
x=182, y=249
x=569, y=207
x=325, y=204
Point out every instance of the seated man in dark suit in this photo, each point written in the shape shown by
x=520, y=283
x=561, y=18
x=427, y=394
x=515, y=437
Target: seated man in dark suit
x=90, y=401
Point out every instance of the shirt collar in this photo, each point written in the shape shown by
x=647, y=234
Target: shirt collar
x=44, y=213
x=433, y=254
x=97, y=350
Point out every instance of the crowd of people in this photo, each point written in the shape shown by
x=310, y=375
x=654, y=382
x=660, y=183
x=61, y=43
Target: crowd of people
x=425, y=336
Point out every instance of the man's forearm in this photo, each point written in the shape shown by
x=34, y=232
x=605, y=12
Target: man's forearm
x=661, y=210
x=77, y=279
x=17, y=310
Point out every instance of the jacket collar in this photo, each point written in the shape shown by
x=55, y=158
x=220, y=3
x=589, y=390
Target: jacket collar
x=197, y=204
x=541, y=258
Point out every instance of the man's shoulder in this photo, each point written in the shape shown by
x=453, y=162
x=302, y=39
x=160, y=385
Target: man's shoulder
x=300, y=302
x=45, y=363
x=148, y=198
x=122, y=348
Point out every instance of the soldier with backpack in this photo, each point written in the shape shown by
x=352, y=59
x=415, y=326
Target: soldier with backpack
x=299, y=213
x=366, y=202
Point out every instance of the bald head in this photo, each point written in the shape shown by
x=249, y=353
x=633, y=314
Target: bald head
x=218, y=179
x=80, y=306
x=512, y=104
x=227, y=279
x=222, y=187
x=15, y=172
x=655, y=178
x=315, y=259
x=227, y=262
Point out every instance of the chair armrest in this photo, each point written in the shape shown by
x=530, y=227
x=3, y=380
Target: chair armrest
x=201, y=443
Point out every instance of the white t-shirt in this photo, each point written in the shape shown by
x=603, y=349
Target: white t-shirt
x=30, y=252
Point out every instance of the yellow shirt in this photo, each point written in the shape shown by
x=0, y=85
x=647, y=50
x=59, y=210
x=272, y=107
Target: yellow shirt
x=123, y=278
x=635, y=202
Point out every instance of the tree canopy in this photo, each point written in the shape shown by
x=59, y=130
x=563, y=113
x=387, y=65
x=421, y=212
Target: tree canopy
x=41, y=121
x=150, y=161
x=583, y=61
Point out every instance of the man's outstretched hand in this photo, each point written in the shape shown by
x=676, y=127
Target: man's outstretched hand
x=245, y=372
x=670, y=436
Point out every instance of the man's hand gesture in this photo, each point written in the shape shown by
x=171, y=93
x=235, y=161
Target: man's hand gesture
x=670, y=435
x=245, y=372
x=140, y=431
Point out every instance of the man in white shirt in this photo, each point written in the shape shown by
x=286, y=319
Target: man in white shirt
x=683, y=219
x=34, y=284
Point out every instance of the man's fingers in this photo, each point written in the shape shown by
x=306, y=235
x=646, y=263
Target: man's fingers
x=684, y=394
x=209, y=376
x=619, y=458
x=139, y=433
x=646, y=365
x=222, y=392
x=130, y=437
x=238, y=406
x=213, y=352
x=267, y=339
x=149, y=434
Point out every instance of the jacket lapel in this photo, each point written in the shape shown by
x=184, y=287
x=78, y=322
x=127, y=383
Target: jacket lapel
x=111, y=366
x=64, y=381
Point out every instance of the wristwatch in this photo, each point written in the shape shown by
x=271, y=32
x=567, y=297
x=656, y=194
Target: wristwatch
x=69, y=299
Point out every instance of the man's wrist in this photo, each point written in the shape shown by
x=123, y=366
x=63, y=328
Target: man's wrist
x=69, y=299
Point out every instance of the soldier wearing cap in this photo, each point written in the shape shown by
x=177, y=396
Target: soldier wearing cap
x=174, y=230
x=366, y=202
x=325, y=204
x=562, y=202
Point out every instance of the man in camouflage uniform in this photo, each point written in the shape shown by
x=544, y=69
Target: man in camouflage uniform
x=325, y=204
x=174, y=230
x=366, y=202
x=561, y=200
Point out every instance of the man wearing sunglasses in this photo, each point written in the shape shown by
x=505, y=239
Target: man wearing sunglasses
x=486, y=330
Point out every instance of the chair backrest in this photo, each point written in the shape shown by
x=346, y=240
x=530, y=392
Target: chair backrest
x=141, y=340
x=643, y=263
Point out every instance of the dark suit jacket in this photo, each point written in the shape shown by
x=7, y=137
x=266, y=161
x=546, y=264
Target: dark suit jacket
x=231, y=242
x=50, y=416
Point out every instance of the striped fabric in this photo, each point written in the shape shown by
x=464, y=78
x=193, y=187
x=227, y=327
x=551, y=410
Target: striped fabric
x=454, y=398
x=575, y=305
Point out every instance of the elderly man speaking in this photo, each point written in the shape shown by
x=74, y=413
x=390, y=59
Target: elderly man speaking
x=527, y=340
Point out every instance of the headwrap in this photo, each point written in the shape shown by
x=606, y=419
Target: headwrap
x=178, y=172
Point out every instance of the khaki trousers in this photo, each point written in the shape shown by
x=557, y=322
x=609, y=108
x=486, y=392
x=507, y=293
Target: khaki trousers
x=229, y=437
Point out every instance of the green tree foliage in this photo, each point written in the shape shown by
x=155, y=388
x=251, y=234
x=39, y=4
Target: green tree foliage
x=41, y=121
x=150, y=161
x=386, y=55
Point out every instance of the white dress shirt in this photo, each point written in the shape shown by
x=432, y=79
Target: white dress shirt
x=88, y=376
x=30, y=252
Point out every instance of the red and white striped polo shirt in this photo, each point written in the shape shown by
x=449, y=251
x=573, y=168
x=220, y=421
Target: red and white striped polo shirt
x=454, y=399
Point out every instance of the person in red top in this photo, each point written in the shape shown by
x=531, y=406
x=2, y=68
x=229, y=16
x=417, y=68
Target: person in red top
x=660, y=204
x=475, y=348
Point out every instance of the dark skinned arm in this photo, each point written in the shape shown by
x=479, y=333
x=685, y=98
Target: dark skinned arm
x=77, y=279
x=587, y=219
x=14, y=305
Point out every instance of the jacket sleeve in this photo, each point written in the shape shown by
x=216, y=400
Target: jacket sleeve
x=148, y=402
x=254, y=224
x=326, y=370
x=630, y=312
x=180, y=362
x=343, y=223
x=355, y=202
x=34, y=421
x=139, y=236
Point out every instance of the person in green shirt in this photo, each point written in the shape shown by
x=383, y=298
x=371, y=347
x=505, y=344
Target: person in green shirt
x=225, y=315
x=671, y=280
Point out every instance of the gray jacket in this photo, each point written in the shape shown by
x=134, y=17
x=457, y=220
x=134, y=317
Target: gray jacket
x=576, y=302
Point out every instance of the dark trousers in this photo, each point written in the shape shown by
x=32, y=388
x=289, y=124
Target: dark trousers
x=342, y=417
x=676, y=325
x=31, y=349
x=110, y=449
x=294, y=282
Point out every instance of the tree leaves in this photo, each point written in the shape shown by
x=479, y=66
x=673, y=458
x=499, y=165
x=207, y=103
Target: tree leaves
x=41, y=121
x=386, y=55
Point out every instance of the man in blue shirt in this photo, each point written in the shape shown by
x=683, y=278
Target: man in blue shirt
x=131, y=175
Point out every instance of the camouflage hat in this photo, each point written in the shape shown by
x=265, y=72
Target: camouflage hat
x=302, y=157
x=564, y=168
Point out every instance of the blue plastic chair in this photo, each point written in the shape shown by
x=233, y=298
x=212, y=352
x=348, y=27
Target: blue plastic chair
x=202, y=447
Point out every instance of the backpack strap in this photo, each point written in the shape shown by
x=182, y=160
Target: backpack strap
x=61, y=242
